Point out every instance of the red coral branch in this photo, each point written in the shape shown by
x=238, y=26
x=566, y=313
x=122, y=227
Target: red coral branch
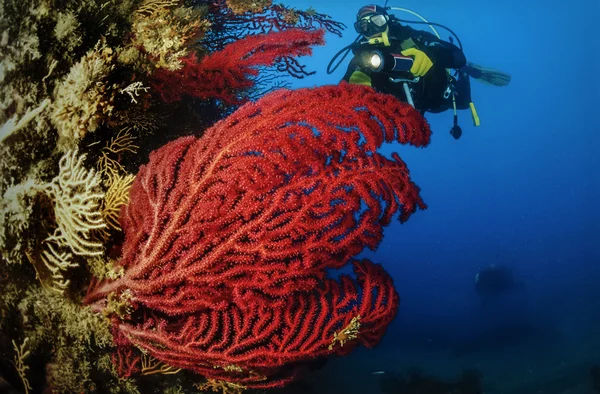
x=228, y=237
x=262, y=338
x=227, y=26
x=225, y=74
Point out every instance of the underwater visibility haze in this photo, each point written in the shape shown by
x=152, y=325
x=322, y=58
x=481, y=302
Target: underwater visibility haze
x=193, y=200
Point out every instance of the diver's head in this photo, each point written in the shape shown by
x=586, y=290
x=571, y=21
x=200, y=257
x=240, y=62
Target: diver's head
x=371, y=21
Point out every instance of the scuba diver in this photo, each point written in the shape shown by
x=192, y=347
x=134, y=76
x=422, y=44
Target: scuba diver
x=493, y=281
x=416, y=66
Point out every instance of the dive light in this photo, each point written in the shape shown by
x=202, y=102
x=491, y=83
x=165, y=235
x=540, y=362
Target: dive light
x=378, y=61
x=375, y=61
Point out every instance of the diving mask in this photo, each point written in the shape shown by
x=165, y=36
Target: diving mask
x=371, y=25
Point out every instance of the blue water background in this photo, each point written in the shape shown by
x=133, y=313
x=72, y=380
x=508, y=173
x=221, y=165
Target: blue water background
x=521, y=190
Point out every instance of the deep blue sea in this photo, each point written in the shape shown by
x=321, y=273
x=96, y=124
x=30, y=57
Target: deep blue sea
x=520, y=191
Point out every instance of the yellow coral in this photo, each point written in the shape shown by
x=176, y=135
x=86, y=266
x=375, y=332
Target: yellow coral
x=133, y=90
x=82, y=98
x=103, y=269
x=118, y=304
x=117, y=195
x=166, y=33
x=76, y=195
x=232, y=368
x=150, y=7
x=348, y=333
x=243, y=6
x=118, y=184
x=140, y=121
x=108, y=167
x=49, y=264
x=221, y=386
x=291, y=16
x=19, y=360
x=151, y=366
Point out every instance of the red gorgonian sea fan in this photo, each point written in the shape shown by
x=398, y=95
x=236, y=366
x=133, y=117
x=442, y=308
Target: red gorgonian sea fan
x=228, y=237
x=224, y=74
x=227, y=26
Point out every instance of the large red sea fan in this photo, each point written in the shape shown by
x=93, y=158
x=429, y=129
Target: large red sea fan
x=229, y=236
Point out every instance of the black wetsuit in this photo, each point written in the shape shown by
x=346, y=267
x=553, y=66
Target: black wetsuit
x=428, y=93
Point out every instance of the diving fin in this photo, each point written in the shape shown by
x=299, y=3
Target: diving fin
x=487, y=75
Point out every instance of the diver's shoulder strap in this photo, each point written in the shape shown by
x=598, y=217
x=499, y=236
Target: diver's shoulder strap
x=408, y=43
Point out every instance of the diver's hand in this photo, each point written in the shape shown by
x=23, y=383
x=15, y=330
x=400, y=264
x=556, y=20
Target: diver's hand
x=422, y=62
